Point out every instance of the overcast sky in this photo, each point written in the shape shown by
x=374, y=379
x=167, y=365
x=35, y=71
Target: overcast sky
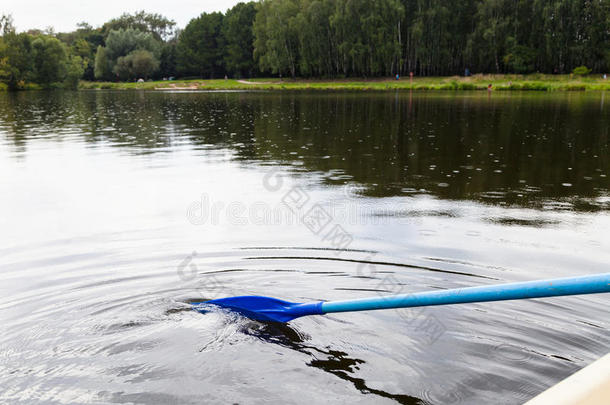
x=63, y=15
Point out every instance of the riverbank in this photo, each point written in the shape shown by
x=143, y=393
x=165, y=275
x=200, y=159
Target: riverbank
x=477, y=82
x=535, y=82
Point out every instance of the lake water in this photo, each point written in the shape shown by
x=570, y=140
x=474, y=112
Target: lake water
x=121, y=208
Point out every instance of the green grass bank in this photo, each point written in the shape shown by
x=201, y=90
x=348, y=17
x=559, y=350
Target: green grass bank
x=534, y=82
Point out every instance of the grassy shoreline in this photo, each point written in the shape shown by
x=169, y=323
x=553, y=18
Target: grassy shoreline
x=533, y=82
x=536, y=82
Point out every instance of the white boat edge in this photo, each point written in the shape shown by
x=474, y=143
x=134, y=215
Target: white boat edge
x=588, y=386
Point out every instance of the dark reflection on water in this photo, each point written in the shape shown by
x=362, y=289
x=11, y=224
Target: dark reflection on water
x=100, y=255
x=504, y=149
x=335, y=362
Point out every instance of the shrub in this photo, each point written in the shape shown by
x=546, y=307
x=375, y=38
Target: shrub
x=467, y=86
x=581, y=71
x=29, y=86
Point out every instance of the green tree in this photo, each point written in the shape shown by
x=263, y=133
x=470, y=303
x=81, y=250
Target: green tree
x=84, y=49
x=50, y=58
x=137, y=64
x=520, y=58
x=200, y=47
x=15, y=54
x=16, y=59
x=167, y=61
x=6, y=24
x=486, y=45
x=316, y=39
x=239, y=38
x=276, y=36
x=156, y=24
x=102, y=64
x=83, y=42
x=124, y=41
x=75, y=67
x=122, y=68
x=143, y=63
x=119, y=45
x=368, y=36
x=597, y=35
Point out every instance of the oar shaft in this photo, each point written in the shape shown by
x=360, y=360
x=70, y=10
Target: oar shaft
x=598, y=283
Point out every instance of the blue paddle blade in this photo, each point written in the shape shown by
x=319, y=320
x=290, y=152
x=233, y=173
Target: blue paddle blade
x=263, y=308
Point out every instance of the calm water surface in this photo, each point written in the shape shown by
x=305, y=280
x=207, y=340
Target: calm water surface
x=121, y=208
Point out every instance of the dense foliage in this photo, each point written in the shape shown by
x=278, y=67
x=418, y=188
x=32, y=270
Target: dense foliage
x=320, y=38
x=42, y=59
x=129, y=54
x=431, y=37
x=200, y=46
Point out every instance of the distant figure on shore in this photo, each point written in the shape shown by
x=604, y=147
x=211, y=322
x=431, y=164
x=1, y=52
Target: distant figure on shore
x=489, y=87
x=604, y=76
x=411, y=76
x=467, y=72
x=397, y=76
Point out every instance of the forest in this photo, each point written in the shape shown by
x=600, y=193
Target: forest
x=318, y=39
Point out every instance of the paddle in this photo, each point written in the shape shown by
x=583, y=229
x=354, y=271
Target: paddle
x=274, y=310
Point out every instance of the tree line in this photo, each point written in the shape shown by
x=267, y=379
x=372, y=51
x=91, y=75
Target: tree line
x=319, y=38
x=430, y=37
